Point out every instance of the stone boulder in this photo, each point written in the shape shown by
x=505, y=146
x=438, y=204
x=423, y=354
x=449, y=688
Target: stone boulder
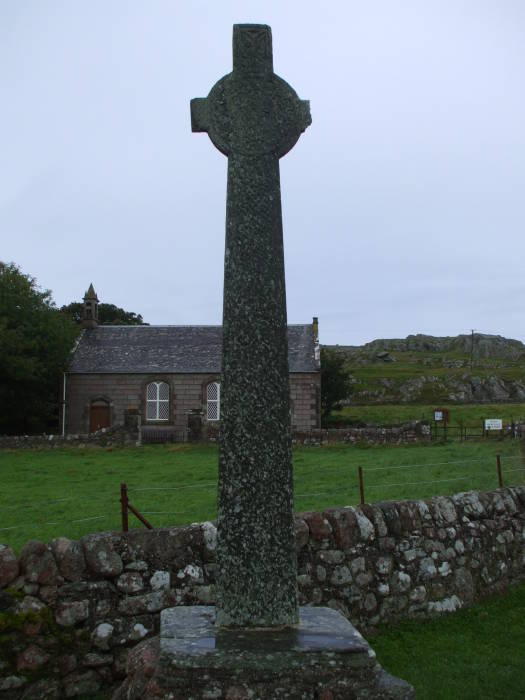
x=38, y=565
x=9, y=567
x=69, y=556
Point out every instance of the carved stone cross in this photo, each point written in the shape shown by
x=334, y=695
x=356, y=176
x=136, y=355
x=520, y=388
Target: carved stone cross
x=254, y=117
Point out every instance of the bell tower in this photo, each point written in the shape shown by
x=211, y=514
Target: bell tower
x=90, y=311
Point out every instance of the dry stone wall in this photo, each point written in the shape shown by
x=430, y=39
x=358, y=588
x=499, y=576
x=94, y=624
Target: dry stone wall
x=414, y=431
x=128, y=435
x=71, y=611
x=122, y=435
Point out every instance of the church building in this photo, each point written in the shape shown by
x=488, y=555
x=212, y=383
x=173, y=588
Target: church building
x=169, y=376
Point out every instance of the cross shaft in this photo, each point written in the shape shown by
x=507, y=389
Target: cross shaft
x=254, y=117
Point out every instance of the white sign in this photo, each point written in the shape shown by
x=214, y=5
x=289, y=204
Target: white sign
x=493, y=424
x=438, y=415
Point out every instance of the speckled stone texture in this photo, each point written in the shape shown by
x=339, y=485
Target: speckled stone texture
x=254, y=117
x=323, y=657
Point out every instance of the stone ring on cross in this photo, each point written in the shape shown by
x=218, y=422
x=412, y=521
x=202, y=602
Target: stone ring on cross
x=251, y=111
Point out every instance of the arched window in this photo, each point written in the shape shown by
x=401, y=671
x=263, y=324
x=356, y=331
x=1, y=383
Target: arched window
x=157, y=401
x=213, y=401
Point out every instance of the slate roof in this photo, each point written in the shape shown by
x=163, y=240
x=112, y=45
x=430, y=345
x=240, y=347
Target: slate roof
x=172, y=349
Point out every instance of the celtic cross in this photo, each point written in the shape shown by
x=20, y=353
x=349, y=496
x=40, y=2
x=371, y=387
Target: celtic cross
x=254, y=118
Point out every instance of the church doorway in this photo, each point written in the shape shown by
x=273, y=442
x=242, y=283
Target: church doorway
x=98, y=415
x=194, y=425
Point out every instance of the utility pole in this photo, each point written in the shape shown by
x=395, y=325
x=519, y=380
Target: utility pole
x=471, y=348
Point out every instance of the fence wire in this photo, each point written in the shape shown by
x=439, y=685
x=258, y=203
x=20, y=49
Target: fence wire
x=344, y=471
x=424, y=464
x=419, y=483
x=131, y=489
x=36, y=525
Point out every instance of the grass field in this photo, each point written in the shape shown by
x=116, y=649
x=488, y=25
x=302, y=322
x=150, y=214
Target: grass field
x=71, y=492
x=474, y=654
x=392, y=414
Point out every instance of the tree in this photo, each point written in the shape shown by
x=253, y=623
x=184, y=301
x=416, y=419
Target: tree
x=335, y=380
x=108, y=314
x=35, y=341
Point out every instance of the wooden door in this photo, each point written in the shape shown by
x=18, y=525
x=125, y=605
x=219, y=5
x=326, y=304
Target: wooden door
x=195, y=426
x=98, y=416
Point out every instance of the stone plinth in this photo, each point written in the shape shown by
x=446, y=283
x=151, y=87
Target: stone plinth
x=323, y=657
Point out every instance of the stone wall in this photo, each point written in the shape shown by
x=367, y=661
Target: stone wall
x=72, y=610
x=414, y=431
x=117, y=435
x=129, y=435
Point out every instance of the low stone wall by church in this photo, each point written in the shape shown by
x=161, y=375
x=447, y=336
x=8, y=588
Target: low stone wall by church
x=414, y=431
x=119, y=435
x=129, y=435
x=72, y=610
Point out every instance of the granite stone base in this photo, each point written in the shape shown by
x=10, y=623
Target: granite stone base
x=324, y=657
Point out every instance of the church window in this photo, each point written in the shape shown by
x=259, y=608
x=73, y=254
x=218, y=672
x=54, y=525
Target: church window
x=157, y=401
x=213, y=396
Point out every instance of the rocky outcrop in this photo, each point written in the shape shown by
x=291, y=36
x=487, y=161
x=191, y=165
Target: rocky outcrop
x=463, y=369
x=430, y=388
x=483, y=345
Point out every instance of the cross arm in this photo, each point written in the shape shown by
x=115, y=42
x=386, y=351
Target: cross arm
x=306, y=117
x=199, y=114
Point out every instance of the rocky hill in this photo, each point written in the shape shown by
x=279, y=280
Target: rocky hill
x=427, y=369
x=483, y=346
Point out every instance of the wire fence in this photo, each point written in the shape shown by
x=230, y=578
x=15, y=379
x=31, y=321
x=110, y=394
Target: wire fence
x=464, y=432
x=331, y=485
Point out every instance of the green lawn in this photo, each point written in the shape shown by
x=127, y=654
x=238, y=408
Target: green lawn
x=391, y=414
x=474, y=654
x=71, y=492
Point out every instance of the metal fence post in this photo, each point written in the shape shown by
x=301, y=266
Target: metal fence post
x=124, y=502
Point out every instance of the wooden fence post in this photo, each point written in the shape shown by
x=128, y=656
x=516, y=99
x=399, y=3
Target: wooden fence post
x=361, y=486
x=500, y=478
x=124, y=502
x=138, y=515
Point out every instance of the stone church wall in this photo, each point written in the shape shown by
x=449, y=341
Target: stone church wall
x=73, y=610
x=125, y=392
x=305, y=394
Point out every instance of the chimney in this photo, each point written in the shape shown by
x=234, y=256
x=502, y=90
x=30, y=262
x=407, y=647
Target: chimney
x=90, y=312
x=315, y=329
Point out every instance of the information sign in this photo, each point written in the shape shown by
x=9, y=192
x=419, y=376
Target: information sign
x=493, y=424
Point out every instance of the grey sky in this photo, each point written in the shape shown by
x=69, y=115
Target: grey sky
x=403, y=203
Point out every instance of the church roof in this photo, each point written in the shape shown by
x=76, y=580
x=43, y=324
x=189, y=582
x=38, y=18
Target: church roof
x=173, y=349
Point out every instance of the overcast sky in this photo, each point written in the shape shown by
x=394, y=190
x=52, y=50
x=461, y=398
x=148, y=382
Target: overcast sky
x=403, y=203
